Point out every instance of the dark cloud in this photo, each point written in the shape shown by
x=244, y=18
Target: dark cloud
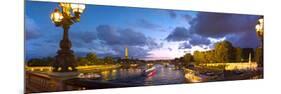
x=238, y=29
x=126, y=37
x=120, y=37
x=117, y=40
x=187, y=17
x=218, y=25
x=185, y=45
x=150, y=42
x=178, y=34
x=107, y=34
x=106, y=41
x=32, y=35
x=146, y=24
x=244, y=40
x=182, y=34
x=131, y=37
x=172, y=14
x=79, y=39
x=83, y=39
x=199, y=40
x=86, y=37
x=170, y=49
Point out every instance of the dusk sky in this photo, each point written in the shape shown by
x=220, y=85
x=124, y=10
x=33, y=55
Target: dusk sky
x=148, y=33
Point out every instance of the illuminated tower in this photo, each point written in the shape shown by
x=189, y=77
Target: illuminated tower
x=126, y=53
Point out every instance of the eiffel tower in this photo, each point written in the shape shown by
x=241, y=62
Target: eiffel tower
x=126, y=53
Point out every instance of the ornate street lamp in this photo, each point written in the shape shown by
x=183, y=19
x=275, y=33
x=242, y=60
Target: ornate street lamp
x=69, y=14
x=260, y=29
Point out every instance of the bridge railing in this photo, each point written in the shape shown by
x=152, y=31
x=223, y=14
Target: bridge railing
x=39, y=68
x=36, y=82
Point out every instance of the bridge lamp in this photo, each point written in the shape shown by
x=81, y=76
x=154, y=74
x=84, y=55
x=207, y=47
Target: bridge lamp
x=56, y=16
x=77, y=8
x=260, y=27
x=64, y=16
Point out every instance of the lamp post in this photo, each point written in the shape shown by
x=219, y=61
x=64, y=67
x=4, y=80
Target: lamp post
x=260, y=29
x=69, y=14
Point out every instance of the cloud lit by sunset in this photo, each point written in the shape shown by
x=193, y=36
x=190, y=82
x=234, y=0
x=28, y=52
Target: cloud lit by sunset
x=149, y=34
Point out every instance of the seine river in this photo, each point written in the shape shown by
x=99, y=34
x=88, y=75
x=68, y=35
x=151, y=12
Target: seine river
x=133, y=76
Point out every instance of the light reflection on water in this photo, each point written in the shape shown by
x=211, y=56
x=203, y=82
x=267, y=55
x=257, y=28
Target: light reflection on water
x=164, y=75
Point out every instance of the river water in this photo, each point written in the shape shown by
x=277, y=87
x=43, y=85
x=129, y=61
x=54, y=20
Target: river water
x=133, y=76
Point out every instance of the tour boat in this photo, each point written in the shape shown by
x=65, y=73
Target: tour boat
x=195, y=76
x=89, y=76
x=150, y=71
x=192, y=75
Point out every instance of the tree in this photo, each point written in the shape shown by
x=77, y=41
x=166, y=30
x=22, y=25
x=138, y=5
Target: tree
x=47, y=61
x=198, y=57
x=239, y=54
x=92, y=58
x=224, y=52
x=209, y=56
x=187, y=58
x=203, y=57
x=119, y=60
x=82, y=61
x=33, y=62
x=108, y=60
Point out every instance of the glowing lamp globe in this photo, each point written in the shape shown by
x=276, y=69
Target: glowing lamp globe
x=260, y=27
x=77, y=8
x=56, y=16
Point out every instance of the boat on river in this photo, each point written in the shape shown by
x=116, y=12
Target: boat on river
x=194, y=75
x=89, y=76
x=149, y=71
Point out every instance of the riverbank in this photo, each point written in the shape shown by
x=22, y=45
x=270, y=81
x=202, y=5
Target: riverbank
x=96, y=68
x=80, y=68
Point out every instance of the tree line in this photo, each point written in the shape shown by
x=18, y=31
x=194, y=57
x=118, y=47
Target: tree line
x=89, y=59
x=224, y=52
x=92, y=59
